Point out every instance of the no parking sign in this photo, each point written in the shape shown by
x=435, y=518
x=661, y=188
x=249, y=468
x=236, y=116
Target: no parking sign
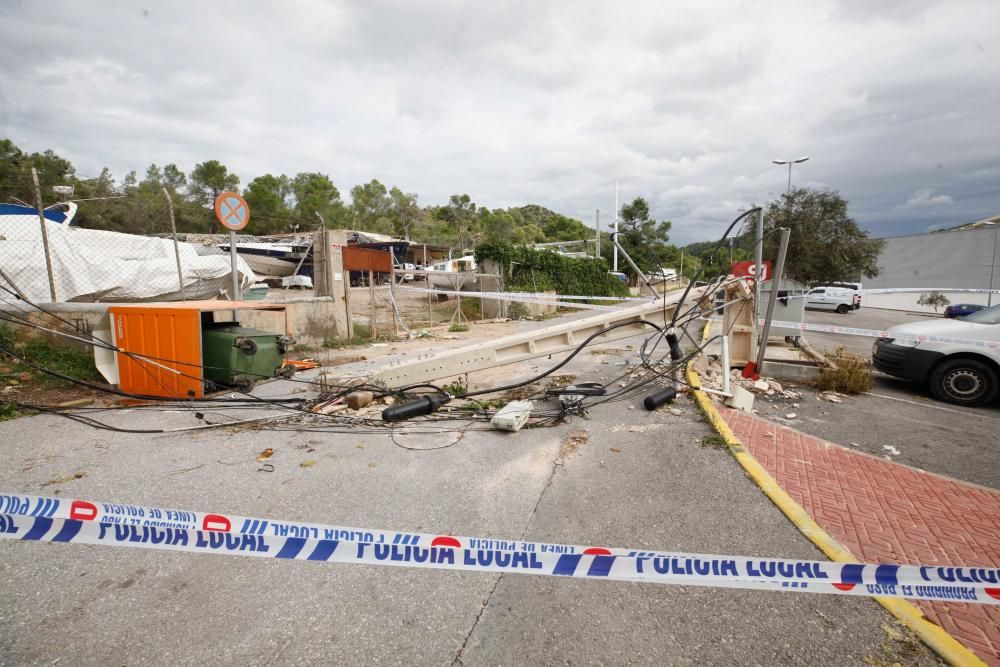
x=232, y=211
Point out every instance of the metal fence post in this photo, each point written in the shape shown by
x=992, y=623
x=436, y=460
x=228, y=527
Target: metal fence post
x=392, y=291
x=427, y=285
x=371, y=300
x=45, y=234
x=177, y=249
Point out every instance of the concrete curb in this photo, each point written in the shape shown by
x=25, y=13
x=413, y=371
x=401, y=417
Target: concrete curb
x=942, y=643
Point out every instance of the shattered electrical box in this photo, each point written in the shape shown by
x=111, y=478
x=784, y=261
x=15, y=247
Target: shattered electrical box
x=512, y=416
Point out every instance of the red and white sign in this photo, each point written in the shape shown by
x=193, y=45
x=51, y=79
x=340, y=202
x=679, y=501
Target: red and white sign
x=749, y=270
x=232, y=211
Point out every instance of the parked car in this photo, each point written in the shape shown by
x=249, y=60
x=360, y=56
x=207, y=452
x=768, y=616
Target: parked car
x=962, y=309
x=958, y=360
x=841, y=299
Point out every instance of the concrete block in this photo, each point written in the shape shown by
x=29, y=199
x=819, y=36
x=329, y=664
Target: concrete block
x=358, y=399
x=740, y=400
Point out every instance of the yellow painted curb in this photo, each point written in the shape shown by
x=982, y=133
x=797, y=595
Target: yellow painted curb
x=942, y=643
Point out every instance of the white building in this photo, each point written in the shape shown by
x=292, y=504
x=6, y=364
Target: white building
x=964, y=257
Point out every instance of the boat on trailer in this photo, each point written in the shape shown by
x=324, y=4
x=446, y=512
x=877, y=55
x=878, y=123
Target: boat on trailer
x=275, y=258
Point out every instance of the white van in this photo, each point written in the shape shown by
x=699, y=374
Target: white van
x=958, y=360
x=841, y=299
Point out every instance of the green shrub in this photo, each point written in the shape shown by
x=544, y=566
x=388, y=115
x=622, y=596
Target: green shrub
x=517, y=311
x=933, y=299
x=526, y=269
x=58, y=355
x=458, y=327
x=851, y=375
x=8, y=411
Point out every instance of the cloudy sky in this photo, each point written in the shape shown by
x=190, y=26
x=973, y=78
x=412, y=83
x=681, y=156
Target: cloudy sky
x=683, y=102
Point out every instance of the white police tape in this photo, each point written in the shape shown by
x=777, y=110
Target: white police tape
x=539, y=295
x=908, y=290
x=877, y=333
x=41, y=518
x=530, y=297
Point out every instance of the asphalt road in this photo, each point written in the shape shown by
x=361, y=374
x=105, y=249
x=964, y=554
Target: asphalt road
x=639, y=479
x=897, y=416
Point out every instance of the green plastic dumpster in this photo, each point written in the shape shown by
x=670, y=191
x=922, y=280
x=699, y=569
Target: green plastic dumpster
x=236, y=356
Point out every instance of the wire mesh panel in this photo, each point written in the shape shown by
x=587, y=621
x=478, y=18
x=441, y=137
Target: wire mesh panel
x=79, y=264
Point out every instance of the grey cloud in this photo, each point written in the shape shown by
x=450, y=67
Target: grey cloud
x=549, y=103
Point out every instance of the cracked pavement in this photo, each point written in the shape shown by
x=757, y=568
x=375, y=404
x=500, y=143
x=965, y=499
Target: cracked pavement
x=656, y=487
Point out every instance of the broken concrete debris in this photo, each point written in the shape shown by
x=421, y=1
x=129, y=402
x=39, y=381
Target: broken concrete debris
x=741, y=399
x=358, y=399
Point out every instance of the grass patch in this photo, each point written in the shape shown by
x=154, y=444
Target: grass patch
x=458, y=327
x=362, y=336
x=517, y=311
x=471, y=309
x=713, y=440
x=456, y=388
x=67, y=359
x=852, y=374
x=9, y=411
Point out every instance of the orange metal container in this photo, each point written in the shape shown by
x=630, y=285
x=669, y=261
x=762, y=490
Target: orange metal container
x=168, y=336
x=169, y=340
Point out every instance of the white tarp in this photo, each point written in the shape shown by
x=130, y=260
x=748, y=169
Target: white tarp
x=93, y=265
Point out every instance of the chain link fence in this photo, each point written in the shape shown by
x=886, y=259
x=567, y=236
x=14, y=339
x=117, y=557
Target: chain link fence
x=49, y=259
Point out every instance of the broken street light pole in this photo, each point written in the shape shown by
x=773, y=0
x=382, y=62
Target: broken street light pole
x=531, y=344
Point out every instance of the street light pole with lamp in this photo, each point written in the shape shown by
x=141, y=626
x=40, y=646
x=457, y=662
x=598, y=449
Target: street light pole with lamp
x=790, y=163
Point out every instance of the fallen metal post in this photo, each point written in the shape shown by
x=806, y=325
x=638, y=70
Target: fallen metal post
x=775, y=284
x=45, y=234
x=642, y=276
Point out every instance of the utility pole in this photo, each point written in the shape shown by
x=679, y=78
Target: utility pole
x=993, y=266
x=45, y=234
x=614, y=266
x=597, y=226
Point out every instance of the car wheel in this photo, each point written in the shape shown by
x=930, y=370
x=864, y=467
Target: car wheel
x=843, y=308
x=964, y=382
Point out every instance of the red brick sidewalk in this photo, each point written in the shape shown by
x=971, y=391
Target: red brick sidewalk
x=886, y=512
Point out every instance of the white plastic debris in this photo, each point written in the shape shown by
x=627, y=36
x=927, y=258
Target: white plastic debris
x=512, y=416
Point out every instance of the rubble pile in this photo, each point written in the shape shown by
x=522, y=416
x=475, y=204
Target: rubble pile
x=746, y=390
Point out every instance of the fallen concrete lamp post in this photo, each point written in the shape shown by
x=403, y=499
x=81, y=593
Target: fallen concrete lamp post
x=564, y=337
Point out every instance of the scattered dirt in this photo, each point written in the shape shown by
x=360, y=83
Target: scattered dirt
x=633, y=428
x=572, y=442
x=68, y=478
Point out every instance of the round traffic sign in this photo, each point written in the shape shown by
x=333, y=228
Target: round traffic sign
x=232, y=211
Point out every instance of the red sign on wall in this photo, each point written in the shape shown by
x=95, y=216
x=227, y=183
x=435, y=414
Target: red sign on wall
x=748, y=270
